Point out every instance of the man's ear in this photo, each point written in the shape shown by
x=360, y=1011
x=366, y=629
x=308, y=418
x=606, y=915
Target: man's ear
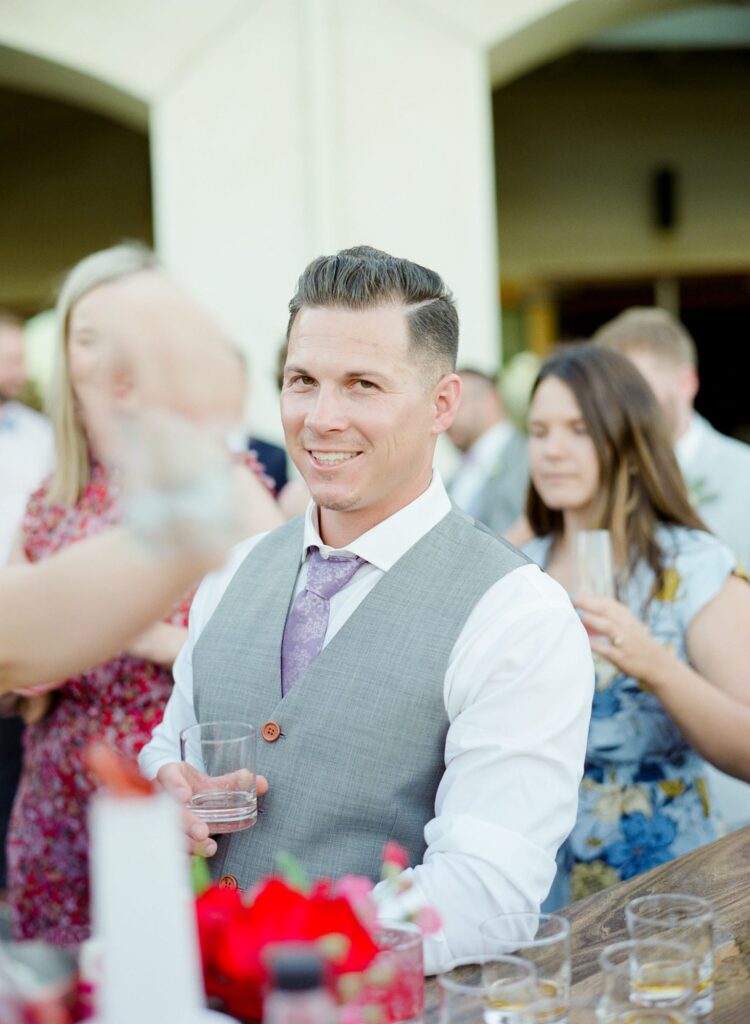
x=689, y=382
x=447, y=398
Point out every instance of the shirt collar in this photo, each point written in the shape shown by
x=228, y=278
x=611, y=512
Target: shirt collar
x=686, y=447
x=384, y=544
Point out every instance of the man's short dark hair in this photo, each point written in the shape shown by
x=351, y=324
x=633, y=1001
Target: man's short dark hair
x=363, y=277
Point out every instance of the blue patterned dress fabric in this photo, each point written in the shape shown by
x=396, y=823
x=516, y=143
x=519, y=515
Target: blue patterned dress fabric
x=644, y=798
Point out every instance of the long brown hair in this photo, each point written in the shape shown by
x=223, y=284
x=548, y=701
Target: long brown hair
x=641, y=484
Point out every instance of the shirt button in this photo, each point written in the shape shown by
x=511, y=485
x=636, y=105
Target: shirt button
x=270, y=732
x=228, y=882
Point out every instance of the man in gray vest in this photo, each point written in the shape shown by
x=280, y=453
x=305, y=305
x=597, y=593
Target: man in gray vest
x=415, y=678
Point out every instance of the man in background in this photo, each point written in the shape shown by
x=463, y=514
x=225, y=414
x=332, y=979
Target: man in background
x=491, y=481
x=26, y=447
x=716, y=467
x=26, y=453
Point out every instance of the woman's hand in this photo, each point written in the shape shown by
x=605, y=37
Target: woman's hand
x=617, y=635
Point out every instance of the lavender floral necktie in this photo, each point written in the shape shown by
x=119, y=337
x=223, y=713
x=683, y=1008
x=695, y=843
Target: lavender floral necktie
x=307, y=622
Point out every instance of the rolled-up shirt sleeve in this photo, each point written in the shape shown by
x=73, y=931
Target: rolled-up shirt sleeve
x=518, y=694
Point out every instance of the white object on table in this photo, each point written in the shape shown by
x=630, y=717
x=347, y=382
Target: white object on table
x=143, y=913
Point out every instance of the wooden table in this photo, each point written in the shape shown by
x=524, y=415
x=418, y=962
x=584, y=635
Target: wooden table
x=719, y=872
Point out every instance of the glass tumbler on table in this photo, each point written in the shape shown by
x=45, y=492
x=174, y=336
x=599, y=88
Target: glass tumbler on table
x=401, y=997
x=488, y=990
x=544, y=941
x=222, y=757
x=679, y=918
x=647, y=981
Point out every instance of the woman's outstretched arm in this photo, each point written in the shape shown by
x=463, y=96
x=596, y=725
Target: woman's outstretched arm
x=83, y=605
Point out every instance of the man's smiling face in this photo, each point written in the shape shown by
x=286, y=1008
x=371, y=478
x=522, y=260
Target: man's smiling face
x=361, y=414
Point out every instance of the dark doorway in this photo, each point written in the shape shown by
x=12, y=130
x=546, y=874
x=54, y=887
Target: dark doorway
x=716, y=311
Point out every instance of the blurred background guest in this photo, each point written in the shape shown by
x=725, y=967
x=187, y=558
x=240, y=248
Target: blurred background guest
x=716, y=467
x=490, y=483
x=26, y=455
x=26, y=446
x=601, y=458
x=122, y=700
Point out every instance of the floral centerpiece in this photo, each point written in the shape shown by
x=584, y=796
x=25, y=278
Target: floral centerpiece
x=237, y=931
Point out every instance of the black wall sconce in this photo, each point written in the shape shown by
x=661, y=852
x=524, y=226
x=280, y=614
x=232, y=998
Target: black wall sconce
x=664, y=186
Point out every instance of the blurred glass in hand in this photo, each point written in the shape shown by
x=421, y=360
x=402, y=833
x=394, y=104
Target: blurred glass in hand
x=647, y=981
x=594, y=575
x=544, y=941
x=688, y=920
x=594, y=569
x=493, y=990
x=222, y=756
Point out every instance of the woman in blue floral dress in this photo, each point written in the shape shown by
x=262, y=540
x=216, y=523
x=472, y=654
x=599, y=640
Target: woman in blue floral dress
x=675, y=652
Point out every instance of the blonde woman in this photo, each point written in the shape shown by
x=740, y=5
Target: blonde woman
x=121, y=700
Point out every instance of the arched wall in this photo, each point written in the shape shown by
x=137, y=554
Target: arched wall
x=283, y=128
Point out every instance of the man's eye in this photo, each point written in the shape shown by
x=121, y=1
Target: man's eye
x=304, y=381
x=366, y=385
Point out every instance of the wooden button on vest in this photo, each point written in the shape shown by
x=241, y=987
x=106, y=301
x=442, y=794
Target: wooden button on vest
x=228, y=882
x=270, y=732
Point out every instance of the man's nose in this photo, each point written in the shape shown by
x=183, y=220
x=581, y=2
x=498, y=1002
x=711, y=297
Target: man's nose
x=327, y=411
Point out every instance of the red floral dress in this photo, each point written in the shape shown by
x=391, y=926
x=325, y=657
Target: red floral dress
x=120, y=702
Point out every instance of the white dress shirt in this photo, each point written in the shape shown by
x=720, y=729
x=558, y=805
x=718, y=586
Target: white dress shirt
x=26, y=457
x=517, y=691
x=686, y=446
x=477, y=464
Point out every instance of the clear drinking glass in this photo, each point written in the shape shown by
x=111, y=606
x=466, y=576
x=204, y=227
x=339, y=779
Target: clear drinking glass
x=494, y=989
x=594, y=575
x=689, y=920
x=594, y=568
x=580, y=1011
x=222, y=755
x=544, y=941
x=397, y=973
x=647, y=981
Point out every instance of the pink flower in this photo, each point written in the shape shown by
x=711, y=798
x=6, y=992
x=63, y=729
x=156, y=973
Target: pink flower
x=428, y=920
x=358, y=891
x=394, y=853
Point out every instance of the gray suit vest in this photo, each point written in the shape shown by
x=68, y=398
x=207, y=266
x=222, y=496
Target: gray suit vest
x=361, y=750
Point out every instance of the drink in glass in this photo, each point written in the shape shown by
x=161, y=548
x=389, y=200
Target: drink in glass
x=647, y=980
x=544, y=941
x=495, y=989
x=688, y=920
x=222, y=758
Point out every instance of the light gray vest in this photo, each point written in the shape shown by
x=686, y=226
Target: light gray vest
x=362, y=742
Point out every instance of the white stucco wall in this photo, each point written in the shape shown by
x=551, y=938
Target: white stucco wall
x=283, y=128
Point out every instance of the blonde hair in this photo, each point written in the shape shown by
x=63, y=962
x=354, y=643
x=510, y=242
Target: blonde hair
x=72, y=465
x=649, y=329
